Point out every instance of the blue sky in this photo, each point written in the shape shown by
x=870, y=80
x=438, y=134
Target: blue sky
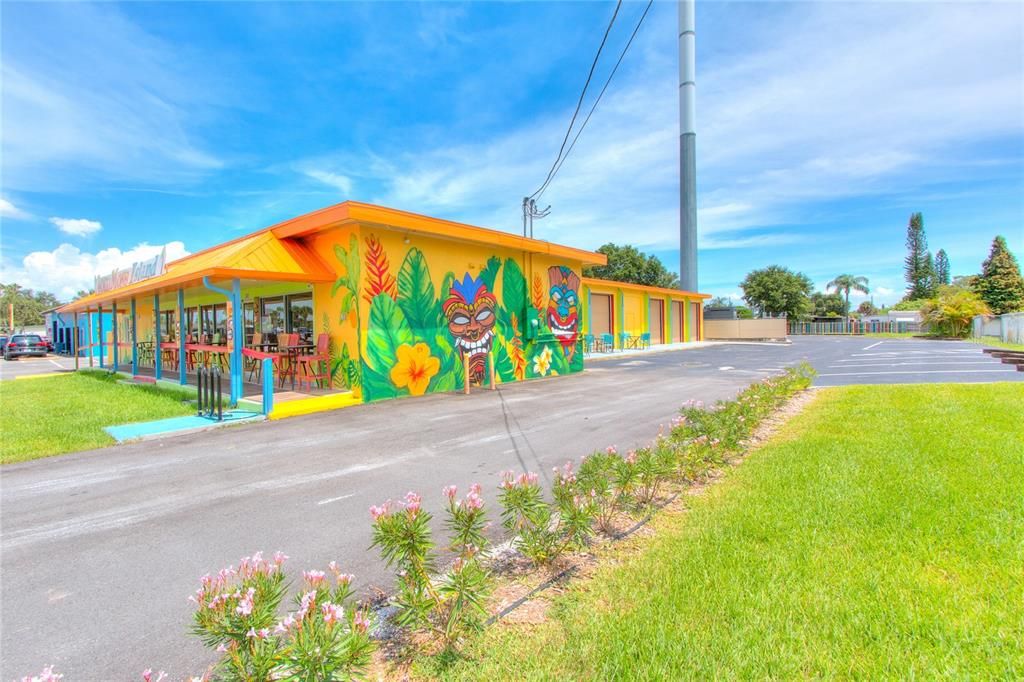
x=821, y=127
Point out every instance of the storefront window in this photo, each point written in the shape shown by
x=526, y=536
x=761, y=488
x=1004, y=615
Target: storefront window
x=249, y=320
x=301, y=312
x=272, y=319
x=192, y=323
x=167, y=327
x=206, y=332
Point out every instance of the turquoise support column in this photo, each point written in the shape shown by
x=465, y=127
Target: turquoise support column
x=99, y=331
x=158, y=365
x=113, y=325
x=268, y=385
x=135, y=341
x=181, y=337
x=238, y=336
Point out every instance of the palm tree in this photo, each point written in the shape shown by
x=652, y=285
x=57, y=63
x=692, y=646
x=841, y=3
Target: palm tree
x=846, y=284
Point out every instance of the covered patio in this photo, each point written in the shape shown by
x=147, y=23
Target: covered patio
x=245, y=307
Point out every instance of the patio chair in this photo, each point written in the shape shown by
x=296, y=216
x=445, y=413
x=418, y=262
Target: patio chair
x=588, y=343
x=607, y=343
x=316, y=367
x=645, y=340
x=252, y=365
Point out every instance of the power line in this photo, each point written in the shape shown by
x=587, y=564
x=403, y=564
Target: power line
x=611, y=75
x=582, y=95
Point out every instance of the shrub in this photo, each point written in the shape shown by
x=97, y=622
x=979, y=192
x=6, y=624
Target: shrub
x=323, y=639
x=952, y=311
x=455, y=605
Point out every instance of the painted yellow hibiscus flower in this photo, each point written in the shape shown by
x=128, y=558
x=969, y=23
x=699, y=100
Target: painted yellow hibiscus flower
x=542, y=362
x=415, y=367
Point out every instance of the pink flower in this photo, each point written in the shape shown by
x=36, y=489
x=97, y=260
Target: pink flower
x=473, y=501
x=631, y=457
x=222, y=648
x=332, y=613
x=508, y=478
x=344, y=578
x=46, y=675
x=147, y=675
x=450, y=491
x=251, y=634
x=263, y=633
x=284, y=625
x=611, y=450
x=244, y=607
x=412, y=502
x=313, y=577
x=361, y=622
x=307, y=601
x=476, y=489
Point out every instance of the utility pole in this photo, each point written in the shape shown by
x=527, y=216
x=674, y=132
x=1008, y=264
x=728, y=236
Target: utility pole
x=529, y=213
x=687, y=146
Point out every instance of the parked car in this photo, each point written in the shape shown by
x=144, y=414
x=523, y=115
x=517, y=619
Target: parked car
x=3, y=342
x=48, y=344
x=24, y=344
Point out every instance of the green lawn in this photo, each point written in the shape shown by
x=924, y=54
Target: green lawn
x=879, y=535
x=51, y=415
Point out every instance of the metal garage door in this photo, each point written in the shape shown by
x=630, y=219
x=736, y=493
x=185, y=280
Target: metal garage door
x=600, y=314
x=657, y=318
x=678, y=320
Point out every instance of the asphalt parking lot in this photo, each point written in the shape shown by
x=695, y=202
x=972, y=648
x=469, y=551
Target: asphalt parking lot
x=28, y=366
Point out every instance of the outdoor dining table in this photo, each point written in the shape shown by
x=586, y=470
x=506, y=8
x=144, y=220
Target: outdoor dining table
x=171, y=349
x=631, y=341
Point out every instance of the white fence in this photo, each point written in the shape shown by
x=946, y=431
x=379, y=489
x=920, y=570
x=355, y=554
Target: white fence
x=1008, y=327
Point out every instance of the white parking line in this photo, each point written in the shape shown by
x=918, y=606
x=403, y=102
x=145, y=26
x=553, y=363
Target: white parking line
x=937, y=371
x=335, y=499
x=913, y=362
x=873, y=345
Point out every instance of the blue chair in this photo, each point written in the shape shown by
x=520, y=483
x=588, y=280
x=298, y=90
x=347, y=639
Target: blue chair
x=645, y=340
x=588, y=343
x=607, y=342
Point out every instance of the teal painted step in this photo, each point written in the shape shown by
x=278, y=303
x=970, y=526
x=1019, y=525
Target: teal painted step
x=176, y=425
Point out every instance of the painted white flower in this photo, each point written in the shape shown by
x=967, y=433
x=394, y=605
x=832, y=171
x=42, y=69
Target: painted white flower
x=542, y=362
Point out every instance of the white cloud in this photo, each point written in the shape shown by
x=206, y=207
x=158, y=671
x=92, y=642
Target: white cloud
x=9, y=210
x=67, y=269
x=80, y=227
x=340, y=182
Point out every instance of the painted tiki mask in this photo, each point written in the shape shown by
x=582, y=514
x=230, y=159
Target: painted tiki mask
x=563, y=307
x=471, y=311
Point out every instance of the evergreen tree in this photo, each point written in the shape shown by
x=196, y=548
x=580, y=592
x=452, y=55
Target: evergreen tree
x=942, y=276
x=915, y=265
x=1000, y=284
x=928, y=279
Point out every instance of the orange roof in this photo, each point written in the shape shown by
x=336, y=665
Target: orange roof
x=278, y=253
x=261, y=255
x=612, y=284
x=403, y=221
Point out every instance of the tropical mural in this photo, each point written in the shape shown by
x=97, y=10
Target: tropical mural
x=418, y=335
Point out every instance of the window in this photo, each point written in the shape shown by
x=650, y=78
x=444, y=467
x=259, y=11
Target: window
x=272, y=320
x=249, y=319
x=192, y=322
x=300, y=317
x=214, y=323
x=167, y=320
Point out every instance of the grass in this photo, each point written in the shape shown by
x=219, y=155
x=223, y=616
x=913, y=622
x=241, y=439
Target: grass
x=994, y=342
x=45, y=416
x=879, y=535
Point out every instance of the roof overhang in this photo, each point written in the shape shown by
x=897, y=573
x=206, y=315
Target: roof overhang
x=612, y=284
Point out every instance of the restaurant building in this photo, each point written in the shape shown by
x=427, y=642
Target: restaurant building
x=374, y=302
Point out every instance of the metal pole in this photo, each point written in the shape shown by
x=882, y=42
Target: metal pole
x=687, y=146
x=114, y=335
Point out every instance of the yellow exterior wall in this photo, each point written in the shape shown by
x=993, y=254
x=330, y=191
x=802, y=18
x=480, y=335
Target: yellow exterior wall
x=631, y=309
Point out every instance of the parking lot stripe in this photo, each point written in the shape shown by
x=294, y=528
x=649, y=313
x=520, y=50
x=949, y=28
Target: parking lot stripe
x=937, y=371
x=873, y=345
x=914, y=362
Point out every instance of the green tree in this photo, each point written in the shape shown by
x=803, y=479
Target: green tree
x=1000, y=284
x=942, y=275
x=846, y=283
x=827, y=305
x=626, y=263
x=950, y=313
x=29, y=305
x=916, y=263
x=744, y=313
x=777, y=290
x=867, y=308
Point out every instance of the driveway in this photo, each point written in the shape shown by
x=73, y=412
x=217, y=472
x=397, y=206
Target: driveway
x=100, y=549
x=28, y=366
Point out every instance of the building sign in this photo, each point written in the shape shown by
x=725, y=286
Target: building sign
x=136, y=273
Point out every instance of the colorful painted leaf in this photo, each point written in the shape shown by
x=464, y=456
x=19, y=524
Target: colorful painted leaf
x=450, y=376
x=378, y=386
x=387, y=331
x=490, y=272
x=352, y=263
x=504, y=366
x=416, y=294
x=378, y=276
x=539, y=299
x=513, y=289
x=442, y=295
